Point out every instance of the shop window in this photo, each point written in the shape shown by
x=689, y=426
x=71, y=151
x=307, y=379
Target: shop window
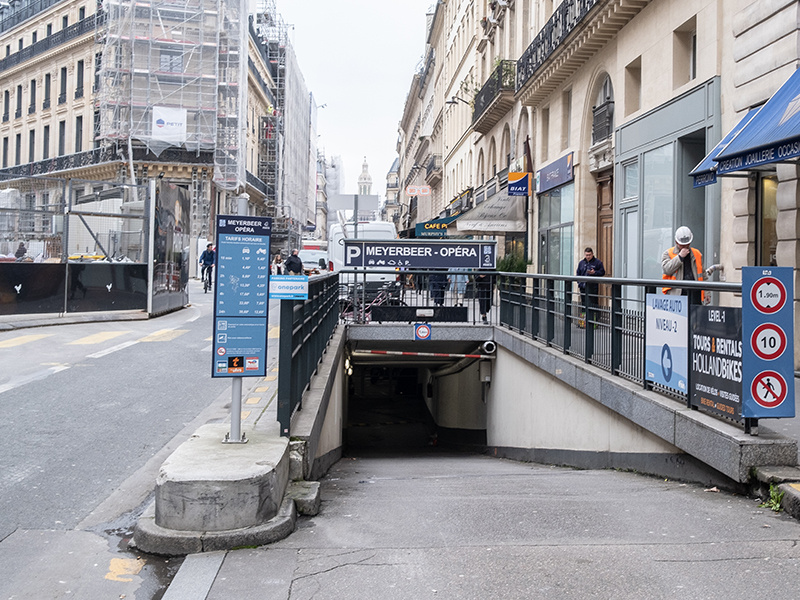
x=657, y=206
x=556, y=226
x=633, y=86
x=766, y=232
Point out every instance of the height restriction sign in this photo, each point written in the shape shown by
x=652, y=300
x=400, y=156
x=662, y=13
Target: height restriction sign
x=767, y=336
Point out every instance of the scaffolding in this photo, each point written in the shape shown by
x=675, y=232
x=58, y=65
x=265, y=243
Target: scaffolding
x=173, y=73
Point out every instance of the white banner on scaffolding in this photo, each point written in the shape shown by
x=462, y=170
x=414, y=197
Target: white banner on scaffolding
x=169, y=125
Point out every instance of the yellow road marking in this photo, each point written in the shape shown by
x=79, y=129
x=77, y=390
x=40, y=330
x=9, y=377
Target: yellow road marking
x=274, y=332
x=262, y=389
x=23, y=339
x=253, y=400
x=124, y=566
x=97, y=338
x=270, y=378
x=209, y=338
x=245, y=414
x=164, y=335
x=795, y=486
x=275, y=370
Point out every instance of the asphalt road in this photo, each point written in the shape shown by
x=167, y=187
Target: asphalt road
x=90, y=413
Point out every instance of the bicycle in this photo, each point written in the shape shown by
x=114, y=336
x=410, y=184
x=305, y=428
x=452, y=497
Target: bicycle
x=207, y=271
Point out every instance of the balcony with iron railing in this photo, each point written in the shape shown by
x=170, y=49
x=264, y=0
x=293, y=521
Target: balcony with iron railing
x=602, y=121
x=433, y=170
x=495, y=98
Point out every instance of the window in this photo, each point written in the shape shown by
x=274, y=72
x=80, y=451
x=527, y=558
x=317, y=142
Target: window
x=630, y=181
x=171, y=61
x=34, y=37
x=49, y=29
x=657, y=209
x=18, y=149
x=78, y=134
x=98, y=63
x=46, y=102
x=46, y=142
x=62, y=137
x=20, y=44
x=633, y=86
x=8, y=49
x=32, y=106
x=96, y=129
x=5, y=152
x=31, y=145
x=684, y=53
x=766, y=224
x=64, y=22
x=6, y=105
x=62, y=96
x=27, y=219
x=79, y=80
x=81, y=13
x=556, y=223
x=545, y=132
x=18, y=112
x=566, y=118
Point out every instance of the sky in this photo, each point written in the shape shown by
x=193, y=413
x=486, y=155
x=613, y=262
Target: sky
x=357, y=59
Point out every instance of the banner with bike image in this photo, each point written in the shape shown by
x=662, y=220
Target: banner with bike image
x=666, y=341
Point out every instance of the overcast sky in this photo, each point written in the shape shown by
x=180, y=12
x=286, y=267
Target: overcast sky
x=357, y=58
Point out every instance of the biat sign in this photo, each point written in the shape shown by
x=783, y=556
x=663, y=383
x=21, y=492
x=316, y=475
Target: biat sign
x=420, y=255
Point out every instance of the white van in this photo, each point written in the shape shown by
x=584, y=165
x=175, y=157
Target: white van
x=367, y=230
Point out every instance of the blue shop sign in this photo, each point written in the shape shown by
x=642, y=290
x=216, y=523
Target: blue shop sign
x=555, y=174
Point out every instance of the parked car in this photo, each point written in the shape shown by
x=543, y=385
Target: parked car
x=314, y=261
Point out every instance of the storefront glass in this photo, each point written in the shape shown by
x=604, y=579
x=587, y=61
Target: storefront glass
x=767, y=218
x=556, y=216
x=657, y=203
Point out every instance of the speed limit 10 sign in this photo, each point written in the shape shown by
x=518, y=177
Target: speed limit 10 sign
x=767, y=342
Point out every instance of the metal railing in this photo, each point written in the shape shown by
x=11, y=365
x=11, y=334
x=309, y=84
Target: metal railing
x=501, y=79
x=306, y=328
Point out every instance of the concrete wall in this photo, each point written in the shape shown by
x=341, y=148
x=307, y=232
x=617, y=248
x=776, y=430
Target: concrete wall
x=530, y=408
x=458, y=401
x=330, y=438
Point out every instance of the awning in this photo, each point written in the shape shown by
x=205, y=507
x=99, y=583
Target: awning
x=772, y=135
x=435, y=227
x=705, y=173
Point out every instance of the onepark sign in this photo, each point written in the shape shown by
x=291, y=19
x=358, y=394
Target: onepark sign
x=411, y=254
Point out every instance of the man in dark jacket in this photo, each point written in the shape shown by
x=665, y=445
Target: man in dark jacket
x=293, y=264
x=590, y=266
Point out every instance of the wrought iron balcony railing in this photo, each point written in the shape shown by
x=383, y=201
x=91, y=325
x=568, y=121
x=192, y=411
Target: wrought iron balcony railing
x=501, y=79
x=602, y=121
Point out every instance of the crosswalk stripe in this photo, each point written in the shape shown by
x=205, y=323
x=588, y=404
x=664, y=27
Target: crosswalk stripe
x=274, y=332
x=23, y=339
x=107, y=351
x=164, y=335
x=98, y=338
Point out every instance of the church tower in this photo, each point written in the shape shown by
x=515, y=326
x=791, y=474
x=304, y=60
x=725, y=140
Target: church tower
x=364, y=180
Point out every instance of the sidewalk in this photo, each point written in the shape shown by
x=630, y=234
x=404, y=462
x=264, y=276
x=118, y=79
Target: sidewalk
x=14, y=322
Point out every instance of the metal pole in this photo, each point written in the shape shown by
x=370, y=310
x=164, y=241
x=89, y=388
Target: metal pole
x=236, y=436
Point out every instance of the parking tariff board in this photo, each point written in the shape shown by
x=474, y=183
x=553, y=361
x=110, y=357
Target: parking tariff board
x=241, y=296
x=768, y=342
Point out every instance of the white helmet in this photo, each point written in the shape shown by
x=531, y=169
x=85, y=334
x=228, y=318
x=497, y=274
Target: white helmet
x=683, y=236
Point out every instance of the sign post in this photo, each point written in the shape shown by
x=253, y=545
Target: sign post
x=241, y=303
x=768, y=349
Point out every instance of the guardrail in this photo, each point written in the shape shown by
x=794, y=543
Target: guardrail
x=306, y=328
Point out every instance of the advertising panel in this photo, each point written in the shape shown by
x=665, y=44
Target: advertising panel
x=288, y=287
x=666, y=352
x=716, y=360
x=519, y=184
x=768, y=342
x=241, y=299
x=411, y=254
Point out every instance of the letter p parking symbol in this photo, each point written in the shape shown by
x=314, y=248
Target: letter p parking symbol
x=353, y=252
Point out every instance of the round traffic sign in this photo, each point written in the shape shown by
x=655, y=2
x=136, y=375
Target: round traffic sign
x=768, y=341
x=769, y=389
x=422, y=331
x=666, y=362
x=221, y=351
x=768, y=295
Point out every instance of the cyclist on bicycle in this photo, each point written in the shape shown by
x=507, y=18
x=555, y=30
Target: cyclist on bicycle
x=207, y=259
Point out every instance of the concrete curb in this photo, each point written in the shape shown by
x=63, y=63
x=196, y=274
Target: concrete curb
x=15, y=322
x=786, y=480
x=149, y=537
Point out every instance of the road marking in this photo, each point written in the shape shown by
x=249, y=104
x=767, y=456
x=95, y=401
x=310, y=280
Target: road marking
x=207, y=349
x=274, y=332
x=164, y=335
x=23, y=339
x=107, y=351
x=195, y=316
x=270, y=378
x=124, y=566
x=98, y=338
x=262, y=389
x=253, y=400
x=245, y=414
x=209, y=339
x=32, y=377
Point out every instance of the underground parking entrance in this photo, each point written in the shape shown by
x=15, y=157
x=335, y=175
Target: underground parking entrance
x=402, y=401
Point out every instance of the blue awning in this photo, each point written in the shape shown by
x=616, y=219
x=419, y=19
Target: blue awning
x=705, y=173
x=773, y=135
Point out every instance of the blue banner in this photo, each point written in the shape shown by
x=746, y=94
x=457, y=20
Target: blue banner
x=555, y=174
x=666, y=341
x=412, y=254
x=767, y=342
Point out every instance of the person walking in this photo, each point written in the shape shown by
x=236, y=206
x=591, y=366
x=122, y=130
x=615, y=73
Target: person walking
x=21, y=250
x=294, y=266
x=277, y=265
x=681, y=262
x=437, y=283
x=589, y=266
x=459, y=281
x=483, y=289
